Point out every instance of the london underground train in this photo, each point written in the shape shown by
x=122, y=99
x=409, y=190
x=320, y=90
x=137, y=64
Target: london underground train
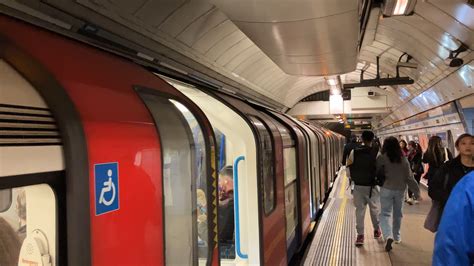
x=104, y=162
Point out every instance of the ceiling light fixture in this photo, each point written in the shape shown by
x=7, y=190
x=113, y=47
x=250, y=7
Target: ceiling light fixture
x=378, y=81
x=331, y=82
x=398, y=7
x=335, y=85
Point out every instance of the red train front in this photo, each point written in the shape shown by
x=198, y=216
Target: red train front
x=111, y=157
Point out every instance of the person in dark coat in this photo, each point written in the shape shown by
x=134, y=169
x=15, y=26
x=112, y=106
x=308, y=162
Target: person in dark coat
x=414, y=158
x=435, y=156
x=348, y=148
x=452, y=171
x=226, y=205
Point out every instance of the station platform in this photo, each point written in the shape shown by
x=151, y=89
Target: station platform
x=333, y=242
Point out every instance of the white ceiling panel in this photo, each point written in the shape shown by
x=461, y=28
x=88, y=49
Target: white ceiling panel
x=221, y=47
x=186, y=15
x=445, y=21
x=215, y=35
x=195, y=31
x=199, y=30
x=458, y=10
x=153, y=13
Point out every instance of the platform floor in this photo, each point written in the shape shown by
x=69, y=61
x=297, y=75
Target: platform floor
x=333, y=243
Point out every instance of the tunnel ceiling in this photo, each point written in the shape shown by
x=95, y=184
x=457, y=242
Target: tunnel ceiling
x=199, y=30
x=303, y=37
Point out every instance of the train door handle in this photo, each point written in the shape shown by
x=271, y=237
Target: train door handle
x=236, y=207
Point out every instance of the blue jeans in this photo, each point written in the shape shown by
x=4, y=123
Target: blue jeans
x=391, y=202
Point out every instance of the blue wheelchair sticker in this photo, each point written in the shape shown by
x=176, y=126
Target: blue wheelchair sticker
x=106, y=177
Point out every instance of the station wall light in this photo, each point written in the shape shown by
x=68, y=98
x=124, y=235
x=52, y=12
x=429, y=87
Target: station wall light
x=398, y=7
x=336, y=104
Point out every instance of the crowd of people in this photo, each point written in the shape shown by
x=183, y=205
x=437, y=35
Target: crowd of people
x=385, y=177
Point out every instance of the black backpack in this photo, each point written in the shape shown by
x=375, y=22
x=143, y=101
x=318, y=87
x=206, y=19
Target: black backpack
x=363, y=168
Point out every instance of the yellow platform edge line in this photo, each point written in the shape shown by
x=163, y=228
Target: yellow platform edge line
x=339, y=223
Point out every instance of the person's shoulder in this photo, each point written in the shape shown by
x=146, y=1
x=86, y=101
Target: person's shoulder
x=467, y=182
x=463, y=190
x=453, y=163
x=381, y=157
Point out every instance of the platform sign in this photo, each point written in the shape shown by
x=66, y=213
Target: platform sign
x=106, y=178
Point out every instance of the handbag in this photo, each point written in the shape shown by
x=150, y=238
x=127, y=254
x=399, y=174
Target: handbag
x=433, y=218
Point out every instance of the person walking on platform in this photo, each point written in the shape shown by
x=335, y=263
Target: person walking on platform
x=435, y=156
x=452, y=171
x=361, y=170
x=414, y=158
x=348, y=148
x=396, y=170
x=454, y=242
x=403, y=146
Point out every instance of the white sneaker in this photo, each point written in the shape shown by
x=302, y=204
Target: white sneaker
x=398, y=241
x=415, y=202
x=410, y=201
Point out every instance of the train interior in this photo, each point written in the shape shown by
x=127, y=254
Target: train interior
x=30, y=210
x=236, y=149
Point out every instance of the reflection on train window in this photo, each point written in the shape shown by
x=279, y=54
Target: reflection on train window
x=28, y=226
x=184, y=181
x=266, y=165
x=289, y=157
x=221, y=148
x=5, y=199
x=289, y=175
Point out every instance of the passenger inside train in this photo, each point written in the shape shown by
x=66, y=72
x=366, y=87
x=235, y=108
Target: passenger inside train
x=27, y=221
x=226, y=212
x=9, y=244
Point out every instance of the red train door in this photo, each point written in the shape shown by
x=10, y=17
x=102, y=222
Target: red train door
x=186, y=183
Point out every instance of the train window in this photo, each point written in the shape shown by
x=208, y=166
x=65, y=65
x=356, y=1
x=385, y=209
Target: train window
x=289, y=173
x=5, y=199
x=184, y=181
x=221, y=148
x=28, y=226
x=266, y=165
x=289, y=158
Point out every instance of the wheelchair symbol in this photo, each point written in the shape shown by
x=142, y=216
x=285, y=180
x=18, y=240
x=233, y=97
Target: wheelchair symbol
x=109, y=186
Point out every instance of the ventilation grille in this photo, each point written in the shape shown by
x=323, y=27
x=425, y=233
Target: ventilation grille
x=324, y=96
x=27, y=126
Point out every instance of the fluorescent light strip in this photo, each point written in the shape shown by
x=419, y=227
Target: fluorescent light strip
x=400, y=7
x=331, y=82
